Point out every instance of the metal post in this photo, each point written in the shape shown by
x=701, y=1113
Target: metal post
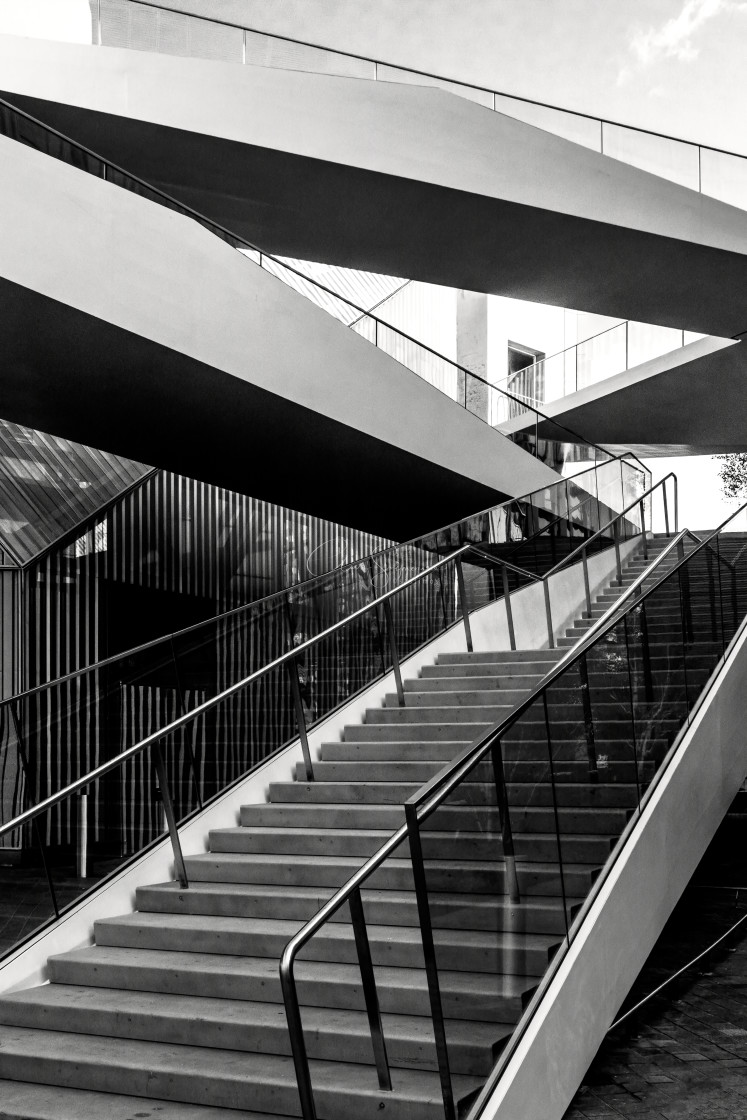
x=82, y=847
x=587, y=586
x=27, y=790
x=509, y=612
x=368, y=979
x=188, y=742
x=643, y=530
x=443, y=597
x=591, y=750
x=298, y=1046
x=429, y=953
x=618, y=563
x=556, y=814
x=507, y=836
x=395, y=655
x=648, y=680
x=720, y=595
x=98, y=23
x=676, y=505
x=548, y=614
x=292, y=667
x=168, y=809
x=379, y=627
x=627, y=344
x=463, y=598
x=632, y=711
x=666, y=509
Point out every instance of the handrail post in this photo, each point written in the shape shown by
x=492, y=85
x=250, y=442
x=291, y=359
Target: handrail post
x=81, y=855
x=368, y=979
x=298, y=1045
x=507, y=836
x=168, y=809
x=23, y=759
x=618, y=562
x=643, y=530
x=666, y=510
x=394, y=652
x=183, y=705
x=431, y=966
x=509, y=612
x=587, y=587
x=676, y=505
x=591, y=750
x=463, y=598
x=379, y=628
x=548, y=613
x=292, y=667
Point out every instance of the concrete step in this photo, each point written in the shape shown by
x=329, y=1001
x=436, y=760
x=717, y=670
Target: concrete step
x=462, y=950
x=499, y=657
x=476, y=816
x=220, y=1078
x=323, y=842
x=226, y=1024
x=402, y=991
x=535, y=877
x=371, y=783
x=22, y=1100
x=536, y=914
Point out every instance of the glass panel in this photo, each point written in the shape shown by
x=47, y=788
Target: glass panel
x=646, y=342
x=670, y=159
x=571, y=126
x=724, y=177
x=138, y=27
x=266, y=50
x=405, y=77
x=602, y=356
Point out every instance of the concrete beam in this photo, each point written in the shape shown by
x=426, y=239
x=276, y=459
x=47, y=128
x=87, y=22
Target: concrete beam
x=131, y=328
x=398, y=179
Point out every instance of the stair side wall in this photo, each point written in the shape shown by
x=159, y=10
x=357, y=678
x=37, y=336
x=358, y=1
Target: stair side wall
x=633, y=905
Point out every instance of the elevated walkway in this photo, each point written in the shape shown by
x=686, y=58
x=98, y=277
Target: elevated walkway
x=316, y=167
x=172, y=349
x=689, y=402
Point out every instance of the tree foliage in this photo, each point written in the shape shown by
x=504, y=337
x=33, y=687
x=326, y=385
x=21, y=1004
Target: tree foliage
x=733, y=474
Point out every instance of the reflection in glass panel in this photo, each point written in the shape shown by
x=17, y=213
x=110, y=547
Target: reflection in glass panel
x=671, y=159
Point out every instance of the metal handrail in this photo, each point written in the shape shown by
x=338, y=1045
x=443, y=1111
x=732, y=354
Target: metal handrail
x=200, y=709
x=509, y=1050
x=353, y=885
x=454, y=772
x=438, y=77
x=224, y=233
x=259, y=604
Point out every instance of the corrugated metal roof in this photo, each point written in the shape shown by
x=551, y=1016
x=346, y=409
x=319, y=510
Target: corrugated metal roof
x=49, y=484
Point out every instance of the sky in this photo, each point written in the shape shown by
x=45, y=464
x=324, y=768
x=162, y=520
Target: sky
x=675, y=66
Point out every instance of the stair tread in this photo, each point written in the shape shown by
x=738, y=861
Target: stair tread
x=149, y=1060
x=230, y=1012
x=101, y=956
x=341, y=931
x=24, y=1100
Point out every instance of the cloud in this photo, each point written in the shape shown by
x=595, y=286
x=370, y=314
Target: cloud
x=674, y=39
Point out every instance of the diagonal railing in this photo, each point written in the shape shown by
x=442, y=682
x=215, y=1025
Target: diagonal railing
x=306, y=669
x=425, y=361
x=718, y=172
x=708, y=634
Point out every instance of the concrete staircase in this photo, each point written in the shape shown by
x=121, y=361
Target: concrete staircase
x=176, y=1010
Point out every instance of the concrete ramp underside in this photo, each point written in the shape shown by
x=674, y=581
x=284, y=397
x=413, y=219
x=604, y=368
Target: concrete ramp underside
x=398, y=179
x=128, y=327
